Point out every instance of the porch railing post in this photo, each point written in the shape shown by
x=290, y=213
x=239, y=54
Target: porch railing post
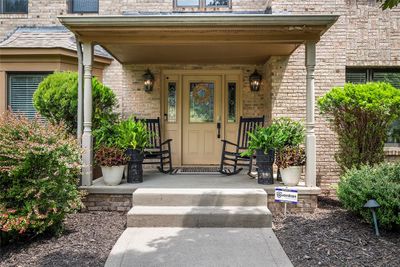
x=311, y=164
x=87, y=139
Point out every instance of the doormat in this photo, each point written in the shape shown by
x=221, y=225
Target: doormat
x=197, y=170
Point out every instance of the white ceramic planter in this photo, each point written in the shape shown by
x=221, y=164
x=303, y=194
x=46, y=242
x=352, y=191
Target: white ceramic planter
x=112, y=175
x=291, y=175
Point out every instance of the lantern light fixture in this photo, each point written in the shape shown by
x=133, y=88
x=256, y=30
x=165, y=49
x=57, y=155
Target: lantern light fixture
x=148, y=81
x=255, y=81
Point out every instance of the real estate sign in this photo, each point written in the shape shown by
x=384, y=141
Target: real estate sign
x=286, y=195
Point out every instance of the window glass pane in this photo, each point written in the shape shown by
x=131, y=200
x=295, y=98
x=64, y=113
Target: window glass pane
x=171, y=102
x=201, y=102
x=20, y=92
x=15, y=6
x=217, y=2
x=231, y=102
x=187, y=2
x=387, y=76
x=85, y=6
x=393, y=78
x=356, y=76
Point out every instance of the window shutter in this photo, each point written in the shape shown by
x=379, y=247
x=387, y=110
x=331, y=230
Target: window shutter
x=356, y=76
x=385, y=76
x=20, y=92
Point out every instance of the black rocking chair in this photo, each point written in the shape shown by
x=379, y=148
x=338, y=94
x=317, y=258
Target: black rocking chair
x=231, y=160
x=157, y=152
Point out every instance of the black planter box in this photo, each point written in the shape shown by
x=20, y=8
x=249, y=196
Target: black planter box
x=135, y=166
x=265, y=174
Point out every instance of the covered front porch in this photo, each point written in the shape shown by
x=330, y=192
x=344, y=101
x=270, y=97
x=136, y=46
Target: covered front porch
x=206, y=39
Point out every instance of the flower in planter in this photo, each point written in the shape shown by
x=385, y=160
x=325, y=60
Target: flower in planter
x=290, y=156
x=110, y=156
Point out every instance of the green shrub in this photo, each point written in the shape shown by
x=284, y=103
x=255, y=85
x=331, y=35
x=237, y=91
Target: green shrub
x=39, y=166
x=382, y=183
x=282, y=132
x=361, y=115
x=56, y=99
x=132, y=134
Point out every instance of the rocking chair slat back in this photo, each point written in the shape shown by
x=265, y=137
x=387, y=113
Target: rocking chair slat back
x=247, y=125
x=154, y=127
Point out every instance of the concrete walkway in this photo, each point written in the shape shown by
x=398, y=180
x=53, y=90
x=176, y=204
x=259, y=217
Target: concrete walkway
x=219, y=247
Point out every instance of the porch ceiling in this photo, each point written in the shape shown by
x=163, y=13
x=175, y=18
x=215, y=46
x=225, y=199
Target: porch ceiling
x=199, y=38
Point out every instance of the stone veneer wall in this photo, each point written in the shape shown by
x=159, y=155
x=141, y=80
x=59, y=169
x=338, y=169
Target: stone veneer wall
x=123, y=203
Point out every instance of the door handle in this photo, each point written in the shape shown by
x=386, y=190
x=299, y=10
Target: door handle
x=165, y=116
x=219, y=130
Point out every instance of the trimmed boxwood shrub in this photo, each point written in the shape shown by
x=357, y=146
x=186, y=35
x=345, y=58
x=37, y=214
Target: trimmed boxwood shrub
x=39, y=167
x=56, y=99
x=382, y=183
x=361, y=115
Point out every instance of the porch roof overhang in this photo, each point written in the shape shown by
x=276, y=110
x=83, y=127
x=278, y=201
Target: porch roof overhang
x=199, y=38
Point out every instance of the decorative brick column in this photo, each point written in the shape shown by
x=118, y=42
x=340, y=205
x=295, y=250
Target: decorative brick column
x=311, y=164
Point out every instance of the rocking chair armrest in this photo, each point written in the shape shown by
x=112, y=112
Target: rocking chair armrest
x=226, y=141
x=166, y=142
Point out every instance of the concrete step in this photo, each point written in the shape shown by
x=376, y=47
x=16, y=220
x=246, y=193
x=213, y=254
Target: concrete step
x=200, y=216
x=199, y=197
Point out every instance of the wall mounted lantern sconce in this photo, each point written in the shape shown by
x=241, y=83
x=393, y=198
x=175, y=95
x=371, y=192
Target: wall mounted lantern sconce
x=255, y=81
x=148, y=81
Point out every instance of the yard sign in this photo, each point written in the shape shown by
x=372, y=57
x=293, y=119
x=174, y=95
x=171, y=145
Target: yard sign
x=286, y=195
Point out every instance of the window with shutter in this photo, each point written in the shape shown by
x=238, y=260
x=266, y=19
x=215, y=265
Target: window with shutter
x=391, y=76
x=20, y=92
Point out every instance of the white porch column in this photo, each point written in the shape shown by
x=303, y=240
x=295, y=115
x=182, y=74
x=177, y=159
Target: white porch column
x=87, y=139
x=311, y=165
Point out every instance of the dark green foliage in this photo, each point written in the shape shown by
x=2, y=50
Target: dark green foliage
x=39, y=167
x=361, y=115
x=382, y=183
x=281, y=133
x=56, y=99
x=388, y=4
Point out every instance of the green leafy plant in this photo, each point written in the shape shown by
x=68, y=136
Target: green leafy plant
x=110, y=156
x=361, y=115
x=282, y=132
x=388, y=4
x=39, y=168
x=380, y=182
x=106, y=135
x=56, y=99
x=132, y=135
x=291, y=156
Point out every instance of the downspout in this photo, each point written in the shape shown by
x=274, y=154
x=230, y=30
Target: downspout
x=80, y=91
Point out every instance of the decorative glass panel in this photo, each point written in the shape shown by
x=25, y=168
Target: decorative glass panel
x=187, y=2
x=217, y=3
x=20, y=92
x=13, y=6
x=85, y=6
x=172, y=102
x=231, y=102
x=201, y=102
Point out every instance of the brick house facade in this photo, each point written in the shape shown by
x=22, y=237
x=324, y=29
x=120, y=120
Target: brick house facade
x=364, y=36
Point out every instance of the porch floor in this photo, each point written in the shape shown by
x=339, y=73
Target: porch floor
x=155, y=179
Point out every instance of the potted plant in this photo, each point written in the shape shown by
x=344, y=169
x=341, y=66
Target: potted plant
x=263, y=142
x=134, y=138
x=112, y=161
x=291, y=160
x=292, y=135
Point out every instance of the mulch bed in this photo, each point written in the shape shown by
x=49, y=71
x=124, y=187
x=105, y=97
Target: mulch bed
x=87, y=241
x=333, y=236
